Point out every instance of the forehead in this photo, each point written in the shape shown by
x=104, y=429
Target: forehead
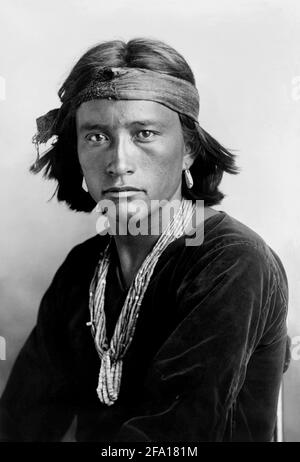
x=125, y=112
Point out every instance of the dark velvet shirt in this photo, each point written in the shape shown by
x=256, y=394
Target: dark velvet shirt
x=205, y=363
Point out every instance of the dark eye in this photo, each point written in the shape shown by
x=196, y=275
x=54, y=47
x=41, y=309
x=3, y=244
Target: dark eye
x=145, y=134
x=96, y=137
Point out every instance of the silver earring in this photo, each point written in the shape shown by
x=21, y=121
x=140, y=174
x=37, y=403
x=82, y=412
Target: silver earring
x=84, y=185
x=188, y=178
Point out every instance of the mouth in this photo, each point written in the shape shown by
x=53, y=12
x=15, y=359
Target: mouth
x=123, y=191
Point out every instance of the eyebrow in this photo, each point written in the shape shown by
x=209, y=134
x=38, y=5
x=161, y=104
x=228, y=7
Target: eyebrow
x=100, y=126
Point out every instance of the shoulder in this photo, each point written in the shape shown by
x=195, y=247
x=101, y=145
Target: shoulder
x=228, y=231
x=229, y=246
x=222, y=231
x=81, y=260
x=89, y=247
x=232, y=233
x=71, y=278
x=232, y=275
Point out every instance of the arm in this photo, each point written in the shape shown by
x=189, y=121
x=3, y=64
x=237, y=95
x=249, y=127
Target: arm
x=199, y=371
x=36, y=403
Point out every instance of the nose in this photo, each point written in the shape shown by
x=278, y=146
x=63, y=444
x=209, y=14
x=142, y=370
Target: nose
x=121, y=161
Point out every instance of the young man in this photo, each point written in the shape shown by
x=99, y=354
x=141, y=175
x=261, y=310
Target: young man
x=141, y=336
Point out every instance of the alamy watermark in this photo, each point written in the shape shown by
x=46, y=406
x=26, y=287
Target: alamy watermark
x=2, y=348
x=2, y=89
x=295, y=348
x=295, y=91
x=138, y=217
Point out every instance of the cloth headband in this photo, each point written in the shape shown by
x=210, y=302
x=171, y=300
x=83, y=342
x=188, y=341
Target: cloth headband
x=128, y=84
x=143, y=84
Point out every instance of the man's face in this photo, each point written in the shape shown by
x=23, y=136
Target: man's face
x=138, y=144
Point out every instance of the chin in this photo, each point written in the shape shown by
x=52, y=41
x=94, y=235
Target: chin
x=134, y=224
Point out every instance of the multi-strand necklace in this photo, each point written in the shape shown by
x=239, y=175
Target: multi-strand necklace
x=112, y=353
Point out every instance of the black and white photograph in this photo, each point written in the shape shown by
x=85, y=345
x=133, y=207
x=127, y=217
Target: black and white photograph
x=150, y=243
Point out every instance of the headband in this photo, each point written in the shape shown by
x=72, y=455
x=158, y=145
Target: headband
x=127, y=84
x=143, y=84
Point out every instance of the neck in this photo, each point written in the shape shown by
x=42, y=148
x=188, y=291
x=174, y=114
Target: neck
x=132, y=250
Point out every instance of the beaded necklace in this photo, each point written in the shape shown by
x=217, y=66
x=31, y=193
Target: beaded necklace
x=112, y=354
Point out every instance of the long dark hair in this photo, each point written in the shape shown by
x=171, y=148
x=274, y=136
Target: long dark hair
x=211, y=159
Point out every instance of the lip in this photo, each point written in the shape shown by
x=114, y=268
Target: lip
x=122, y=194
x=121, y=189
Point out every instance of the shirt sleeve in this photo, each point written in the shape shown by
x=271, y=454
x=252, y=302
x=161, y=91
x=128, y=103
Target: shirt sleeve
x=228, y=302
x=36, y=404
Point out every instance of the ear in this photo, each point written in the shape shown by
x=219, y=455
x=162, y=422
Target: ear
x=188, y=156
